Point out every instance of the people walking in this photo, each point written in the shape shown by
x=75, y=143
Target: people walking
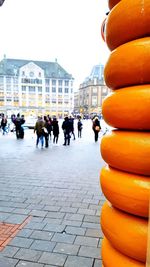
x=49, y=126
x=79, y=126
x=71, y=120
x=66, y=129
x=3, y=124
x=45, y=130
x=38, y=128
x=55, y=127
x=19, y=121
x=96, y=128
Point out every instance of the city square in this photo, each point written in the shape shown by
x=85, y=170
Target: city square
x=57, y=191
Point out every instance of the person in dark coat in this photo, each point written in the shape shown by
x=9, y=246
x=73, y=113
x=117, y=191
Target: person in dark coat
x=79, y=126
x=71, y=120
x=66, y=129
x=45, y=131
x=96, y=128
x=55, y=127
x=19, y=121
x=3, y=124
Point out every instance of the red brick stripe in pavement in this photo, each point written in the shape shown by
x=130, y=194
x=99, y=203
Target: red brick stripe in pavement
x=8, y=231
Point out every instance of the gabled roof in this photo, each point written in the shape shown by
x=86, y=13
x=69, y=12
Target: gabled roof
x=51, y=69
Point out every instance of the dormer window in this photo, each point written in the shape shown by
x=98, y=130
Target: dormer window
x=39, y=74
x=31, y=73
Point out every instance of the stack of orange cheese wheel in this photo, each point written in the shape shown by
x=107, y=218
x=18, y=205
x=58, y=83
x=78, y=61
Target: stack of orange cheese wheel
x=125, y=180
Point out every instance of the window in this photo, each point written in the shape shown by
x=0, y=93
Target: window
x=40, y=89
x=31, y=73
x=39, y=74
x=47, y=81
x=60, y=82
x=23, y=88
x=47, y=89
x=66, y=90
x=53, y=82
x=53, y=89
x=1, y=79
x=8, y=79
x=59, y=101
x=94, y=100
x=66, y=83
x=31, y=89
x=60, y=90
x=53, y=101
x=23, y=73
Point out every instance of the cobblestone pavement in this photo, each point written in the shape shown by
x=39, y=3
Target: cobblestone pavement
x=57, y=190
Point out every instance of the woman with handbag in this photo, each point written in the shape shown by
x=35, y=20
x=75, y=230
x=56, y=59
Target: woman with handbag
x=96, y=128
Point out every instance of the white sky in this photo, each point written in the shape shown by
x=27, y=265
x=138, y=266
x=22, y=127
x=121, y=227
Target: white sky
x=68, y=30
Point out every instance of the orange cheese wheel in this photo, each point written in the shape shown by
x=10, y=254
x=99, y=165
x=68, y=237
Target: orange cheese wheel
x=112, y=3
x=134, y=24
x=127, y=151
x=128, y=108
x=113, y=258
x=126, y=191
x=126, y=233
x=129, y=64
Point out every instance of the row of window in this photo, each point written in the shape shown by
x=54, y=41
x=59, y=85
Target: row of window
x=36, y=81
x=47, y=89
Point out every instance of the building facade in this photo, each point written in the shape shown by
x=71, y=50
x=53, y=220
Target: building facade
x=35, y=88
x=88, y=100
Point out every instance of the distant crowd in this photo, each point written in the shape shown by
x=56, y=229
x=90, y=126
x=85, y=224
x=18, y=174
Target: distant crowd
x=47, y=129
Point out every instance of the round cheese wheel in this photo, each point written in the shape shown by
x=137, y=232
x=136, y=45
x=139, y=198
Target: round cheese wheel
x=127, y=151
x=111, y=257
x=127, y=233
x=128, y=21
x=129, y=64
x=126, y=191
x=128, y=108
x=112, y=3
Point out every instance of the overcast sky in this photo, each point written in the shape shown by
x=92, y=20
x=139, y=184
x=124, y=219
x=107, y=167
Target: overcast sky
x=68, y=30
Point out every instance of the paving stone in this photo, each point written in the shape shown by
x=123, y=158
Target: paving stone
x=86, y=211
x=43, y=245
x=86, y=241
x=66, y=249
x=25, y=233
x=64, y=238
x=90, y=252
x=68, y=210
x=38, y=213
x=21, y=211
x=92, y=219
x=74, y=261
x=94, y=233
x=52, y=221
x=98, y=263
x=91, y=225
x=51, y=208
x=54, y=228
x=53, y=258
x=7, y=262
x=9, y=251
x=28, y=254
x=4, y=216
x=21, y=242
x=72, y=223
x=35, y=225
x=56, y=215
x=75, y=230
x=74, y=217
x=80, y=205
x=16, y=219
x=29, y=264
x=43, y=235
